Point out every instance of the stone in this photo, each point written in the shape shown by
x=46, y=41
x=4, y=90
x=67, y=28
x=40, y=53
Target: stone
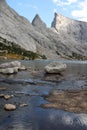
x=22, y=68
x=11, y=67
x=9, y=107
x=2, y=88
x=9, y=70
x=23, y=105
x=1, y=95
x=8, y=96
x=55, y=67
x=11, y=64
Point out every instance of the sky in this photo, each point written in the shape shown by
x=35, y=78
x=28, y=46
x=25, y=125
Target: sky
x=74, y=9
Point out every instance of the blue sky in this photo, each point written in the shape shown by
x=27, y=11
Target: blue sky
x=75, y=9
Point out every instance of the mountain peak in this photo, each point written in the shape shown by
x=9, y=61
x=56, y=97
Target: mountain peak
x=37, y=22
x=3, y=3
x=60, y=21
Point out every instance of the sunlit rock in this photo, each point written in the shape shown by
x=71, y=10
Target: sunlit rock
x=11, y=67
x=55, y=67
x=9, y=107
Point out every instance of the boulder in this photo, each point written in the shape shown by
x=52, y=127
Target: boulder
x=9, y=70
x=11, y=67
x=55, y=67
x=11, y=64
x=22, y=68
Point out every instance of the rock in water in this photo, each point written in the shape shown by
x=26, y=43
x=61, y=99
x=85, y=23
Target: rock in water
x=55, y=67
x=9, y=107
x=9, y=70
x=11, y=64
x=11, y=67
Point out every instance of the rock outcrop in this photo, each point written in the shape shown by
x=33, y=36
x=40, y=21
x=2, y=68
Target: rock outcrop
x=65, y=39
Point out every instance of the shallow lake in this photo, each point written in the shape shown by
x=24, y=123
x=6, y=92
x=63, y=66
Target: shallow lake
x=30, y=86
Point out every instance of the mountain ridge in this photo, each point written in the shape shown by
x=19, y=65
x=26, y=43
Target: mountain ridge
x=56, y=42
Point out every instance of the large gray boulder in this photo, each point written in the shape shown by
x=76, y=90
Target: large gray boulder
x=9, y=70
x=11, y=64
x=55, y=67
x=11, y=67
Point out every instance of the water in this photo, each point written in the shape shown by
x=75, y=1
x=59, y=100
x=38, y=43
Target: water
x=29, y=87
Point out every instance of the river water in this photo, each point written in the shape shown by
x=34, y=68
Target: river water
x=30, y=86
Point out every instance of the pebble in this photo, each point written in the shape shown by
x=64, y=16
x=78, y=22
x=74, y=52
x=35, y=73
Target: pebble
x=2, y=88
x=23, y=105
x=9, y=107
x=6, y=96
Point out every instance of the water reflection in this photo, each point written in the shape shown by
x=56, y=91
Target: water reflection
x=69, y=119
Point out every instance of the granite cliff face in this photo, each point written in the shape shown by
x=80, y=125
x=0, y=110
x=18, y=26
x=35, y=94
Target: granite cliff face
x=13, y=27
x=66, y=38
x=73, y=33
x=71, y=28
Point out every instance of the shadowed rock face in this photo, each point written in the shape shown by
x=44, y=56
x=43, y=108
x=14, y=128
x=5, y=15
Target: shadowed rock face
x=64, y=38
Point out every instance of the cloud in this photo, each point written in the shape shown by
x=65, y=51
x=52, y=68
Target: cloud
x=32, y=6
x=62, y=3
x=55, y=11
x=20, y=4
x=81, y=13
x=28, y=5
x=79, y=6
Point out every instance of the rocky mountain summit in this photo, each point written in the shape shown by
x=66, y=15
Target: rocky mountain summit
x=65, y=39
x=76, y=30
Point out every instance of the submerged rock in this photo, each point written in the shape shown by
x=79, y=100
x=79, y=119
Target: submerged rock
x=23, y=105
x=53, y=77
x=2, y=88
x=9, y=107
x=55, y=67
x=71, y=100
x=6, y=96
x=22, y=68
